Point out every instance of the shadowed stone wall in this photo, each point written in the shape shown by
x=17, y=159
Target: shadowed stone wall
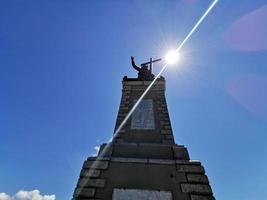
x=143, y=159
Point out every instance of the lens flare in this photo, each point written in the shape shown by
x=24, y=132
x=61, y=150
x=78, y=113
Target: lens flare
x=172, y=57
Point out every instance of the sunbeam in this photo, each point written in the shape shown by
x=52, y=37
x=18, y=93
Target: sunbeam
x=100, y=156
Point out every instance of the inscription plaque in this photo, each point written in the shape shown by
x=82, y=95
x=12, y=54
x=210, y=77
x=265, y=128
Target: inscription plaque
x=133, y=194
x=143, y=116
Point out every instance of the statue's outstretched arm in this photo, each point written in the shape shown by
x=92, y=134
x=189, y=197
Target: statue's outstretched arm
x=134, y=65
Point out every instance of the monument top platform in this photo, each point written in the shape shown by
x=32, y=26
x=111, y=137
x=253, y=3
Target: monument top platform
x=125, y=78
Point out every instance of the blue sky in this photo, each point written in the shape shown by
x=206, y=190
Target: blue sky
x=61, y=67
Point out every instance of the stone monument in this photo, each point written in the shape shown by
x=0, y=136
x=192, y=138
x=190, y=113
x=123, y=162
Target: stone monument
x=143, y=162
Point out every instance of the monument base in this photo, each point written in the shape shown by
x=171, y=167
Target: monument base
x=117, y=177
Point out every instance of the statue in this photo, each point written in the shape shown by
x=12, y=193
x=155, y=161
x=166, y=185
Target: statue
x=144, y=73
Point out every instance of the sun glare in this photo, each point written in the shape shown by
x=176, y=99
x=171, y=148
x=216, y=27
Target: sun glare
x=172, y=57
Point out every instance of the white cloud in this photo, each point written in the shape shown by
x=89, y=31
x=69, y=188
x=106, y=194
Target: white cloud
x=27, y=195
x=96, y=148
x=4, y=196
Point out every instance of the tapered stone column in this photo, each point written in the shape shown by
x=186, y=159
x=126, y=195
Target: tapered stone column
x=143, y=162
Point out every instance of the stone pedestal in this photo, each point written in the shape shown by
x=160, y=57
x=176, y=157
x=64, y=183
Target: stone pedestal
x=143, y=161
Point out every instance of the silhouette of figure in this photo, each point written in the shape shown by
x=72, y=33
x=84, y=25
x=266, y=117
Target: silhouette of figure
x=144, y=73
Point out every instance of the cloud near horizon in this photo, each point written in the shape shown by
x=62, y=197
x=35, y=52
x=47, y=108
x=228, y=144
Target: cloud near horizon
x=27, y=195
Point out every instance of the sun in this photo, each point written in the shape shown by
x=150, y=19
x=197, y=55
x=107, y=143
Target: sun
x=172, y=57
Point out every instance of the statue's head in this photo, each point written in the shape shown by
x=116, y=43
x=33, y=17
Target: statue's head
x=144, y=66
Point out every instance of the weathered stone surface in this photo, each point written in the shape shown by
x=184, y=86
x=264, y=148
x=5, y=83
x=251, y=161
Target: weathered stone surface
x=167, y=141
x=197, y=178
x=195, y=162
x=169, y=136
x=163, y=115
x=161, y=161
x=166, y=117
x=90, y=173
x=126, y=87
x=106, y=149
x=87, y=182
x=120, y=118
x=181, y=153
x=121, y=114
x=95, y=164
x=84, y=192
x=143, y=160
x=190, y=169
x=187, y=162
x=201, y=197
x=166, y=132
x=124, y=107
x=134, y=194
x=164, y=122
x=119, y=140
x=168, y=127
x=196, y=188
x=142, y=150
x=131, y=160
x=143, y=118
x=94, y=158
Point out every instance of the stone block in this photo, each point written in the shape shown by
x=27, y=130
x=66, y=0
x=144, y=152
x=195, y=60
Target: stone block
x=126, y=91
x=169, y=136
x=122, y=114
x=92, y=158
x=129, y=160
x=124, y=108
x=201, y=197
x=127, y=87
x=190, y=169
x=187, y=162
x=197, y=178
x=95, y=164
x=125, y=102
x=167, y=127
x=127, y=96
x=84, y=192
x=196, y=188
x=120, y=118
x=136, y=194
x=167, y=141
x=118, y=140
x=166, y=132
x=161, y=161
x=87, y=182
x=108, y=149
x=90, y=173
x=164, y=122
x=180, y=153
x=165, y=118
